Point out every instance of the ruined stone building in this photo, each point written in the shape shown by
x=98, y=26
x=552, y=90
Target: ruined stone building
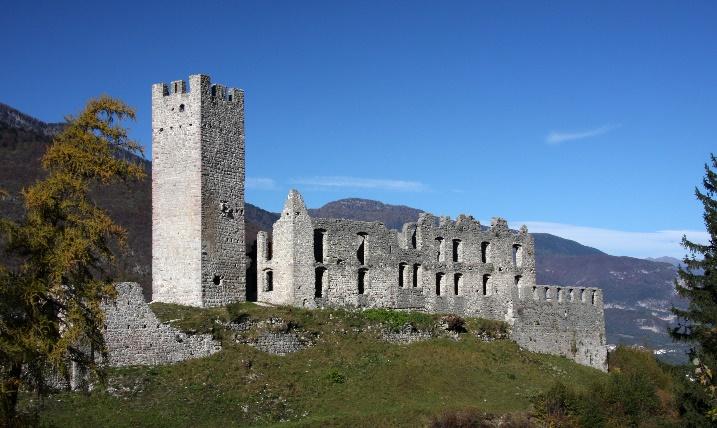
x=434, y=265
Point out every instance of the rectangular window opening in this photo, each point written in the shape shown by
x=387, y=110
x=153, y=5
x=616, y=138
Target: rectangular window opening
x=484, y=249
x=416, y=275
x=440, y=250
x=439, y=283
x=361, y=281
x=269, y=281
x=361, y=251
x=319, y=282
x=457, y=251
x=319, y=245
x=517, y=255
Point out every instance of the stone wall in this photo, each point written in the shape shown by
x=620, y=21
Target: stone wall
x=437, y=265
x=434, y=265
x=567, y=321
x=134, y=335
x=198, y=193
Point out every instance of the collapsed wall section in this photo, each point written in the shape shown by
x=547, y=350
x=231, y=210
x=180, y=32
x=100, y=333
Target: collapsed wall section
x=134, y=335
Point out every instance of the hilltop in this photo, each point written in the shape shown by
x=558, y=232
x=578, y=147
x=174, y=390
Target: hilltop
x=638, y=293
x=350, y=372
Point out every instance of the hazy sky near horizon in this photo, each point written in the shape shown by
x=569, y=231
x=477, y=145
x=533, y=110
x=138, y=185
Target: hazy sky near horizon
x=593, y=120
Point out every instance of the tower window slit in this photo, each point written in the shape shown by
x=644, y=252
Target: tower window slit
x=486, y=284
x=361, y=251
x=401, y=274
x=319, y=282
x=439, y=282
x=362, y=280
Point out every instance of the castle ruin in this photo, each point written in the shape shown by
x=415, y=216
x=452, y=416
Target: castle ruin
x=197, y=193
x=433, y=265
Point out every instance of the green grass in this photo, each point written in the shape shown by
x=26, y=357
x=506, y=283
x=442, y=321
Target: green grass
x=349, y=378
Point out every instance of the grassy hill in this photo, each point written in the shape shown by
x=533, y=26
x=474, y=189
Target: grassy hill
x=349, y=377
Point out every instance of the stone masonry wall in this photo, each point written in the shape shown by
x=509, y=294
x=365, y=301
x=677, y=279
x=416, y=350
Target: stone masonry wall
x=434, y=265
x=176, y=194
x=134, y=335
x=198, y=193
x=567, y=321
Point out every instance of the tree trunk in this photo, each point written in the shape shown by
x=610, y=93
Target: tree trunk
x=8, y=397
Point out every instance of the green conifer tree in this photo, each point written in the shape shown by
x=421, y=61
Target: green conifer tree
x=697, y=283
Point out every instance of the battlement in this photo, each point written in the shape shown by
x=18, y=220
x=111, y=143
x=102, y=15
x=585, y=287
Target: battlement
x=214, y=91
x=568, y=295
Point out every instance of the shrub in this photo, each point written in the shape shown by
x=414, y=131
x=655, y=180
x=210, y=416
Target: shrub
x=475, y=418
x=454, y=323
x=629, y=396
x=335, y=376
x=557, y=407
x=632, y=397
x=394, y=320
x=489, y=329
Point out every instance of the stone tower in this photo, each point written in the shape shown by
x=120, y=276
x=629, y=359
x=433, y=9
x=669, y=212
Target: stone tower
x=198, y=253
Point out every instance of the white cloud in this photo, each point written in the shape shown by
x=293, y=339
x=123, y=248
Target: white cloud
x=622, y=243
x=260, y=183
x=557, y=137
x=335, y=182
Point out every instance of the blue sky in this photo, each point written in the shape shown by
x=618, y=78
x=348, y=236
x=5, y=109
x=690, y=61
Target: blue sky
x=591, y=119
